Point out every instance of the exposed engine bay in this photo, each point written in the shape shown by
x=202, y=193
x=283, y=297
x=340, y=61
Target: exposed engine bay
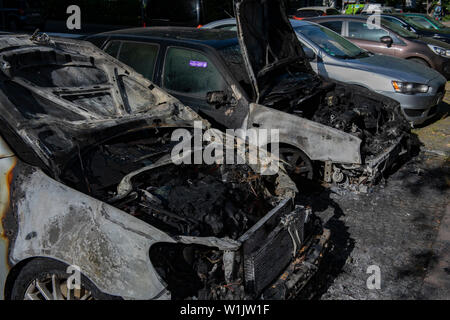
x=191, y=200
x=247, y=213
x=374, y=119
x=282, y=79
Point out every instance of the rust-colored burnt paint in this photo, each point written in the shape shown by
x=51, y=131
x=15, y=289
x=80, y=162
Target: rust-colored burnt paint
x=7, y=166
x=5, y=193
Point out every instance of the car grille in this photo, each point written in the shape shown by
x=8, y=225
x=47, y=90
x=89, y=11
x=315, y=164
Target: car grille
x=267, y=253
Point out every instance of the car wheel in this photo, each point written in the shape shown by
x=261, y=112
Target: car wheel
x=298, y=165
x=421, y=61
x=45, y=279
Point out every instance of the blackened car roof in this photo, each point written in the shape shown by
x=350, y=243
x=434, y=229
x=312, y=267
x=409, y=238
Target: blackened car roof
x=213, y=38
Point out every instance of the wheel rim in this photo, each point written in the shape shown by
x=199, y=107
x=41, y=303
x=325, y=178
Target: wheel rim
x=298, y=164
x=53, y=287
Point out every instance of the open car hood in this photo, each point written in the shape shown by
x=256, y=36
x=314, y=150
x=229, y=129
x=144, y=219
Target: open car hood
x=267, y=39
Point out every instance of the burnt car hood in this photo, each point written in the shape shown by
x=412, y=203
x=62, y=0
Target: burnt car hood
x=267, y=40
x=61, y=95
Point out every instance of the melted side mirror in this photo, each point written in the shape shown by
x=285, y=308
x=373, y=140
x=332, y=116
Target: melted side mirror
x=309, y=53
x=387, y=40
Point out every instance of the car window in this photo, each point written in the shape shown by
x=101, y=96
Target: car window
x=393, y=20
x=308, y=13
x=395, y=28
x=397, y=22
x=361, y=30
x=191, y=72
x=331, y=11
x=113, y=48
x=228, y=27
x=336, y=26
x=178, y=11
x=140, y=56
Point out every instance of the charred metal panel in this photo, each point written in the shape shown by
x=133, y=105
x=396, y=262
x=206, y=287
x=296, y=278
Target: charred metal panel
x=318, y=141
x=7, y=164
x=110, y=246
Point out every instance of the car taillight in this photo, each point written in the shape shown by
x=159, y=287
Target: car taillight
x=297, y=18
x=199, y=26
x=324, y=14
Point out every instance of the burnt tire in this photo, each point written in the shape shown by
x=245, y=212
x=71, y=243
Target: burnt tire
x=299, y=166
x=46, y=275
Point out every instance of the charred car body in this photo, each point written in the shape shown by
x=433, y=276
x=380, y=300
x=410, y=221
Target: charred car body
x=87, y=182
x=263, y=79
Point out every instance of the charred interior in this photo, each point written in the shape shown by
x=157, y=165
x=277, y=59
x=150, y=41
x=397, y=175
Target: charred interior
x=220, y=201
x=190, y=200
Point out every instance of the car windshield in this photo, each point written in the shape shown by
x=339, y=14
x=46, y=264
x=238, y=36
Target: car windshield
x=397, y=29
x=425, y=21
x=332, y=43
x=420, y=22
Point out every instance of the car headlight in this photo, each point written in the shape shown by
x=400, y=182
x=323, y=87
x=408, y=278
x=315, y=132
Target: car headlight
x=409, y=87
x=439, y=50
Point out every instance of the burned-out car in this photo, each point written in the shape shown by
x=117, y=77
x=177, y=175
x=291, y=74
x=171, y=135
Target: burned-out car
x=261, y=78
x=93, y=206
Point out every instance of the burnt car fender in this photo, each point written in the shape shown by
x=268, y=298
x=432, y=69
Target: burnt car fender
x=110, y=247
x=7, y=164
x=319, y=142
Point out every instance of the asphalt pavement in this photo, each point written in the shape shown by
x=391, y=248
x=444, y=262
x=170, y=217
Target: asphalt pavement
x=401, y=226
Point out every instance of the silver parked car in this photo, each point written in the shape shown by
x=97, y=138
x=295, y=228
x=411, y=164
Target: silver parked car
x=417, y=88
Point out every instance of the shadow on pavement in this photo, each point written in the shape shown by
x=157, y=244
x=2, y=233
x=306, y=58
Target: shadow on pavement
x=341, y=244
x=443, y=112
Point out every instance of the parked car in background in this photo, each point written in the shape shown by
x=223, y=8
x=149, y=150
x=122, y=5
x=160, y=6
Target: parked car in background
x=329, y=130
x=314, y=12
x=410, y=25
x=390, y=39
x=426, y=21
x=19, y=14
x=334, y=57
x=189, y=13
x=376, y=8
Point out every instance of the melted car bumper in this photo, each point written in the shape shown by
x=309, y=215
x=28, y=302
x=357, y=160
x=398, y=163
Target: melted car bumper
x=305, y=265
